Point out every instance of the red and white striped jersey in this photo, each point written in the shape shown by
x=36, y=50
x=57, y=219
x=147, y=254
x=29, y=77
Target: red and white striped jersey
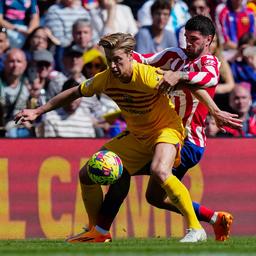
x=203, y=72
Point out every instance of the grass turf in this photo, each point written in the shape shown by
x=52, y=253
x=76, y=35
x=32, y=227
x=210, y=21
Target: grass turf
x=126, y=247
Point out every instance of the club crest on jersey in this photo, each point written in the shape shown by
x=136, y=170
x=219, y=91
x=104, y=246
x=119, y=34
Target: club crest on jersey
x=128, y=98
x=88, y=82
x=210, y=62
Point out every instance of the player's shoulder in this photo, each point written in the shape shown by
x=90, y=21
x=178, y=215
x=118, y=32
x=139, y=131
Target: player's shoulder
x=146, y=74
x=167, y=55
x=175, y=51
x=101, y=77
x=142, y=68
x=209, y=59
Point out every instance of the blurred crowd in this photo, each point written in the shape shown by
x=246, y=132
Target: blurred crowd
x=49, y=46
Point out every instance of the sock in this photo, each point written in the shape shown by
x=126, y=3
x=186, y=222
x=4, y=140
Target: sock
x=180, y=197
x=214, y=218
x=92, y=197
x=203, y=213
x=101, y=230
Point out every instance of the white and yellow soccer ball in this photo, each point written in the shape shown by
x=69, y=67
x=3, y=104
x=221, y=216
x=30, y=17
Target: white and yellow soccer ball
x=104, y=167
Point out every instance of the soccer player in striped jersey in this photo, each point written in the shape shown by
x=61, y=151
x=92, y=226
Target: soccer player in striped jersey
x=193, y=66
x=155, y=131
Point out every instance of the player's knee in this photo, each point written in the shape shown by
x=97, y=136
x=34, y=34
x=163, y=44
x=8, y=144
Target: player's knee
x=159, y=172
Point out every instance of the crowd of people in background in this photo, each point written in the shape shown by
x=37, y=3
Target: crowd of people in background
x=49, y=46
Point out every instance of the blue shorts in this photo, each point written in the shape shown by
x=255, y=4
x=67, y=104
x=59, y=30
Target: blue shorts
x=191, y=154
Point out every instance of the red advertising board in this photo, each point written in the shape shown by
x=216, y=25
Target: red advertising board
x=40, y=193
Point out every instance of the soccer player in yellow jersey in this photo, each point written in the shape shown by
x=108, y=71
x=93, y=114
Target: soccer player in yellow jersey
x=155, y=131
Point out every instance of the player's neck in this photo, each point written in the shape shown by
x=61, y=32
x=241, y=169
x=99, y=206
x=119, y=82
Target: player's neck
x=126, y=78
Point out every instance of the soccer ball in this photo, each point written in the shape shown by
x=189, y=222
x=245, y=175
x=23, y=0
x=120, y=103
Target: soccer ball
x=105, y=167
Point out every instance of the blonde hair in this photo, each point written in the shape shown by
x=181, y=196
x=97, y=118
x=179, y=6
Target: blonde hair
x=116, y=41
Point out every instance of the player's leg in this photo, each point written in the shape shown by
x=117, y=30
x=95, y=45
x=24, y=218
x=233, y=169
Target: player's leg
x=156, y=196
x=99, y=232
x=92, y=196
x=123, y=145
x=112, y=202
x=163, y=160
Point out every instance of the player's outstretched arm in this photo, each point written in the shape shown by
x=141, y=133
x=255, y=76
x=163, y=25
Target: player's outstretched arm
x=222, y=118
x=65, y=97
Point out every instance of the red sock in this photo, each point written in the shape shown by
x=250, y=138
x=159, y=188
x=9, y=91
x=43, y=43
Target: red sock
x=203, y=213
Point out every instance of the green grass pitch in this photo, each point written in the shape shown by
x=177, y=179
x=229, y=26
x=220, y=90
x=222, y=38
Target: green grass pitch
x=127, y=247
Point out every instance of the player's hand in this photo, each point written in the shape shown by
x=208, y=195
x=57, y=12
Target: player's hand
x=25, y=116
x=225, y=119
x=169, y=80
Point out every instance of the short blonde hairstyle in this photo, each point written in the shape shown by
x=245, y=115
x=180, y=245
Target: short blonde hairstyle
x=118, y=41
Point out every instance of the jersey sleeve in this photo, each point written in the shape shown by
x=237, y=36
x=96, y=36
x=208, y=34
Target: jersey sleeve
x=206, y=73
x=94, y=85
x=170, y=58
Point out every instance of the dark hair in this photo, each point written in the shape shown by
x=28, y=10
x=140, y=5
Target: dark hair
x=26, y=45
x=160, y=5
x=202, y=24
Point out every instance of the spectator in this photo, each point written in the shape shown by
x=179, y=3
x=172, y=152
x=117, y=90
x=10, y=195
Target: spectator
x=244, y=69
x=41, y=38
x=199, y=7
x=4, y=45
x=240, y=101
x=179, y=15
x=61, y=17
x=82, y=33
x=82, y=39
x=73, y=63
x=226, y=82
x=72, y=120
x=233, y=20
x=20, y=18
x=45, y=82
x=111, y=17
x=94, y=62
x=155, y=38
x=14, y=91
x=196, y=7
x=251, y=5
x=212, y=130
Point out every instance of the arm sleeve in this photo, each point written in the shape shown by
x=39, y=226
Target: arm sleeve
x=165, y=59
x=94, y=85
x=207, y=74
